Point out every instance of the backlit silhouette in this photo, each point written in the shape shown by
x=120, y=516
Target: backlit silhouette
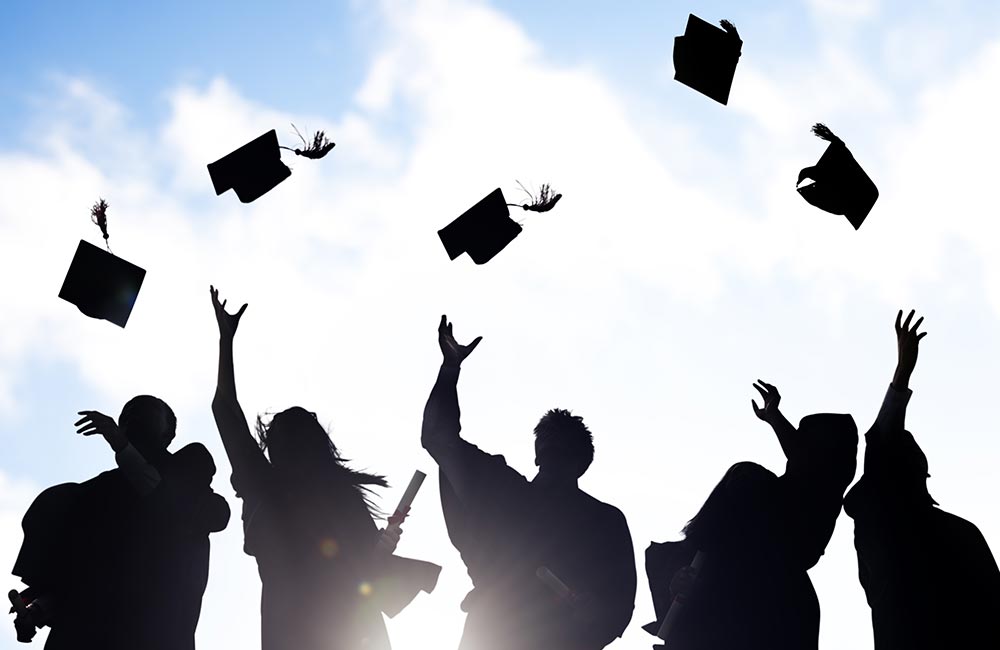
x=552, y=567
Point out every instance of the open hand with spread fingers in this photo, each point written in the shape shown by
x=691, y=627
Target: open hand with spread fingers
x=227, y=322
x=907, y=344
x=771, y=398
x=453, y=352
x=96, y=422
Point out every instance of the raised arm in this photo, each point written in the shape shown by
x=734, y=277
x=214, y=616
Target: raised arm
x=771, y=414
x=440, y=431
x=891, y=417
x=244, y=453
x=141, y=475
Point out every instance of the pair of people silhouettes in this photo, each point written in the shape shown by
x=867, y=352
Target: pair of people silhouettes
x=121, y=561
x=929, y=576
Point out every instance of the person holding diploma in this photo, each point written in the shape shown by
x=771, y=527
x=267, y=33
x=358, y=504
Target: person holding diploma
x=121, y=561
x=327, y=572
x=930, y=577
x=552, y=567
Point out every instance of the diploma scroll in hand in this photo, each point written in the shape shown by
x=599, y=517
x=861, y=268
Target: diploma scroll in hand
x=677, y=606
x=553, y=582
x=20, y=609
x=396, y=520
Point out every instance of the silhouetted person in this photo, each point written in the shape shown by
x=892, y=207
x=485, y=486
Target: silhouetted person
x=327, y=572
x=821, y=461
x=507, y=528
x=759, y=534
x=120, y=562
x=929, y=576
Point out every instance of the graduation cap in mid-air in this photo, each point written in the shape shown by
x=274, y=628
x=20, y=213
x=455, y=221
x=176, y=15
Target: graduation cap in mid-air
x=705, y=57
x=256, y=168
x=486, y=228
x=100, y=284
x=839, y=184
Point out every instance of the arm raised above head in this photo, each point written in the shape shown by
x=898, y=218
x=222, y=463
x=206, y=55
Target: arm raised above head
x=891, y=417
x=441, y=426
x=244, y=453
x=771, y=414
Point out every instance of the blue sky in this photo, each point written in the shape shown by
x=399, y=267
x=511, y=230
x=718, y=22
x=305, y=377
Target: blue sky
x=680, y=266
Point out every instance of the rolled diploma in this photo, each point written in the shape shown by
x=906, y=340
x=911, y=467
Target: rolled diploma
x=553, y=582
x=14, y=596
x=677, y=606
x=409, y=494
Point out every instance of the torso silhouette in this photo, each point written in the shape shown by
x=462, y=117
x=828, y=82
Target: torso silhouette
x=314, y=546
x=753, y=591
x=929, y=576
x=125, y=571
x=506, y=528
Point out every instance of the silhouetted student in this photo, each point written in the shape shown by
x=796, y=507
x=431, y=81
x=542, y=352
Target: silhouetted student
x=930, y=577
x=759, y=534
x=121, y=561
x=821, y=462
x=514, y=535
x=327, y=572
x=751, y=592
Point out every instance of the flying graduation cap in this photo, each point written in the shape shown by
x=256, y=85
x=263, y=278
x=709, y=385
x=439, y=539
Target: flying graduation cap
x=100, y=284
x=705, y=57
x=486, y=228
x=256, y=168
x=839, y=184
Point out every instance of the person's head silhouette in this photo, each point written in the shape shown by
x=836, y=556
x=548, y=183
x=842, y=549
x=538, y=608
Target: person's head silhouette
x=302, y=452
x=564, y=446
x=295, y=440
x=149, y=425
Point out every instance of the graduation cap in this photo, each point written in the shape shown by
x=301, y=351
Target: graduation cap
x=705, y=57
x=839, y=184
x=486, y=228
x=100, y=284
x=256, y=168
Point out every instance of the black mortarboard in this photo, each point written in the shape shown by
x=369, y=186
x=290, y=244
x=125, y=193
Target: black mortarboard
x=705, y=57
x=102, y=285
x=482, y=231
x=839, y=185
x=252, y=170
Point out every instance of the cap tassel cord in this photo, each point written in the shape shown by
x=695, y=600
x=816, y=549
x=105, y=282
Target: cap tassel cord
x=730, y=28
x=545, y=201
x=99, y=215
x=319, y=147
x=823, y=132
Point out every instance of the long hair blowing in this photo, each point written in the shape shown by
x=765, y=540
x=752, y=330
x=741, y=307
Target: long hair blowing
x=339, y=472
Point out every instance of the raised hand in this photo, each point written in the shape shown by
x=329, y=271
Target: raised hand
x=453, y=353
x=96, y=422
x=227, y=322
x=907, y=344
x=771, y=398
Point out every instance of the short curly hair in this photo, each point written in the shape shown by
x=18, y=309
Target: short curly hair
x=562, y=439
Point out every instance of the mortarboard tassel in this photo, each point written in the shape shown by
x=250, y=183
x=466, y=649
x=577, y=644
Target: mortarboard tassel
x=545, y=201
x=99, y=215
x=320, y=146
x=823, y=132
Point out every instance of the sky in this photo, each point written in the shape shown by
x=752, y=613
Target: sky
x=680, y=265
